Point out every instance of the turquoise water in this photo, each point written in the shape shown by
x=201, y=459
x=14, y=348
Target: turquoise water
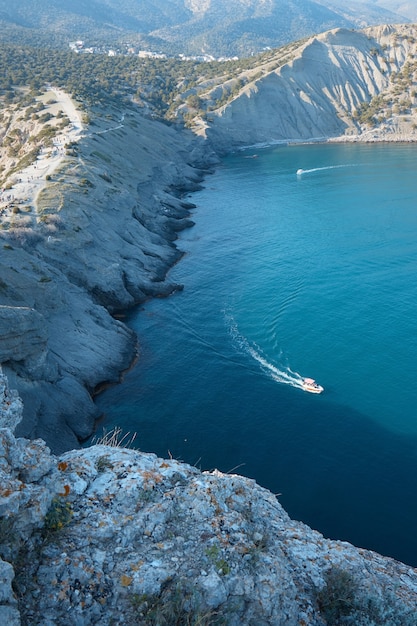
x=284, y=276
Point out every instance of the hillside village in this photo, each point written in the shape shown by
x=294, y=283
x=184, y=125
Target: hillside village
x=81, y=47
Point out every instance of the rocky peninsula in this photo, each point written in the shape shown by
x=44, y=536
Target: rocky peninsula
x=94, y=237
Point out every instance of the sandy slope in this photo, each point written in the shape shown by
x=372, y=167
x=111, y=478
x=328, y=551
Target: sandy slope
x=319, y=91
x=28, y=182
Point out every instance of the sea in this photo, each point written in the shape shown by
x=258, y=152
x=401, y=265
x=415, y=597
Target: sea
x=302, y=262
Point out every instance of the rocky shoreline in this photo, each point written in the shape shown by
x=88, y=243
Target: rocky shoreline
x=122, y=202
x=104, y=239
x=109, y=535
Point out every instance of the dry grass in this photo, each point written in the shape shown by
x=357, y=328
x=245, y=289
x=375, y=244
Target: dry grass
x=115, y=438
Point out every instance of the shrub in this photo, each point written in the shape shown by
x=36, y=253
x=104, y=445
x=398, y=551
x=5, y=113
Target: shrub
x=103, y=463
x=176, y=605
x=58, y=516
x=45, y=117
x=115, y=438
x=342, y=602
x=337, y=598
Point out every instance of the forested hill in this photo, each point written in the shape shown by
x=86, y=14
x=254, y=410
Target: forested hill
x=216, y=27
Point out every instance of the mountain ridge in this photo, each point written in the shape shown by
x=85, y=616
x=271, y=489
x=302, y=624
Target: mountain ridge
x=189, y=26
x=338, y=77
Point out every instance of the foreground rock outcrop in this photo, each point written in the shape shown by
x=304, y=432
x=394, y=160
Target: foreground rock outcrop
x=109, y=535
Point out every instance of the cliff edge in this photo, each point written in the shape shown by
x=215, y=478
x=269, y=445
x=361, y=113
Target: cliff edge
x=99, y=235
x=109, y=535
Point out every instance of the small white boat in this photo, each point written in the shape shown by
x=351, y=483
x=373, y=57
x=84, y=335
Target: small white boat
x=309, y=384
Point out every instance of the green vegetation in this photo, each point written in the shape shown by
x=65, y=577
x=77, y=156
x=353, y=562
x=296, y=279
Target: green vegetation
x=342, y=602
x=103, y=463
x=58, y=516
x=92, y=78
x=176, y=605
x=337, y=598
x=221, y=565
x=99, y=79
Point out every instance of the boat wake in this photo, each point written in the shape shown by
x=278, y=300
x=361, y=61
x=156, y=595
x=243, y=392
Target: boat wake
x=300, y=172
x=279, y=373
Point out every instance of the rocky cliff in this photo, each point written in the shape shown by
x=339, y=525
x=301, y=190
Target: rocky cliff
x=99, y=240
x=109, y=535
x=319, y=89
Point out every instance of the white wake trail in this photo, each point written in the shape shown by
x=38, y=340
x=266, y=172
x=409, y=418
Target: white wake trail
x=281, y=374
x=300, y=172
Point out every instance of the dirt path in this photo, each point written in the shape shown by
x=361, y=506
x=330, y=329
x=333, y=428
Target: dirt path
x=31, y=180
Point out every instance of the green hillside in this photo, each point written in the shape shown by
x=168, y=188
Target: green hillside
x=215, y=27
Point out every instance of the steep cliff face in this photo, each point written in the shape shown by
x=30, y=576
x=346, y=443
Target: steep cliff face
x=101, y=240
x=114, y=536
x=315, y=91
x=24, y=337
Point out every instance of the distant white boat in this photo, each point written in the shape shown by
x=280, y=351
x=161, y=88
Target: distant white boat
x=310, y=385
x=299, y=172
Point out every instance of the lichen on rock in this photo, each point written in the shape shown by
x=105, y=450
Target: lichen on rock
x=113, y=535
x=11, y=406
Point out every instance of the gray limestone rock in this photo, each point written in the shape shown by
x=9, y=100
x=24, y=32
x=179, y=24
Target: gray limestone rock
x=59, y=339
x=9, y=613
x=23, y=340
x=109, y=535
x=11, y=407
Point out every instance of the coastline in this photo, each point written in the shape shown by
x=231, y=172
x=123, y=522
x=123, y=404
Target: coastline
x=348, y=138
x=101, y=241
x=105, y=223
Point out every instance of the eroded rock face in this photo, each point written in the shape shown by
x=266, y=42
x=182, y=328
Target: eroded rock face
x=109, y=220
x=11, y=406
x=23, y=339
x=110, y=535
x=316, y=93
x=107, y=248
